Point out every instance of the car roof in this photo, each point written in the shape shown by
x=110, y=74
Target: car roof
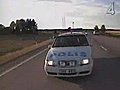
x=71, y=33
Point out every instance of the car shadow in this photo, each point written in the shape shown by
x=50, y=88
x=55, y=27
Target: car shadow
x=105, y=76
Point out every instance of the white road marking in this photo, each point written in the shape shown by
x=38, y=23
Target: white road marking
x=103, y=48
x=16, y=66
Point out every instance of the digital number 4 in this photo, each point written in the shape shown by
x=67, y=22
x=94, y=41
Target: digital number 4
x=111, y=9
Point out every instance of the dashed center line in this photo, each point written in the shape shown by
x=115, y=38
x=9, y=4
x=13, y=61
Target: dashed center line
x=18, y=65
x=103, y=48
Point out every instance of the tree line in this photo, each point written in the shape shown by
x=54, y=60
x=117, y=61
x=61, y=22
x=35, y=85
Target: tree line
x=20, y=26
x=102, y=29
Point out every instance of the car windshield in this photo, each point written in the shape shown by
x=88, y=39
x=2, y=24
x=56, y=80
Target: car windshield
x=70, y=41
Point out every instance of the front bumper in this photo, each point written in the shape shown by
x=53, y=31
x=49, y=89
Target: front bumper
x=79, y=71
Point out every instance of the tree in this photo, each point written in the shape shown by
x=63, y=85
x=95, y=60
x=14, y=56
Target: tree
x=96, y=28
x=2, y=26
x=13, y=26
x=103, y=29
x=17, y=26
x=22, y=25
x=34, y=26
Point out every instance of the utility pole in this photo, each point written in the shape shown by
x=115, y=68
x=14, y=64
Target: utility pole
x=73, y=24
x=63, y=22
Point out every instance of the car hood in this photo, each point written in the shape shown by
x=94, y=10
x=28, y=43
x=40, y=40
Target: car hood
x=69, y=53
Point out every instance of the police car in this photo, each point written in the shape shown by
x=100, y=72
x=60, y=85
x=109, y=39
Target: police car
x=70, y=55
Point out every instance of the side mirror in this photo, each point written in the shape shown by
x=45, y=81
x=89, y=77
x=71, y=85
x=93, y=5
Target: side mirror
x=49, y=46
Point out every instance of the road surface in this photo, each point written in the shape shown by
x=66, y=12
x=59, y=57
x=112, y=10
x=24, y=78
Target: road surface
x=31, y=76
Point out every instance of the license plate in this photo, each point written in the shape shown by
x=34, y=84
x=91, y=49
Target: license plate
x=67, y=70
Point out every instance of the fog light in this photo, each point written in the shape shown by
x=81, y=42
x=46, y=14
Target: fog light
x=62, y=63
x=72, y=63
x=50, y=63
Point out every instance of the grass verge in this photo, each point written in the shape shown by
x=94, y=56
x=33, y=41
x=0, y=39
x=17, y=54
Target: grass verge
x=13, y=46
x=113, y=34
x=13, y=55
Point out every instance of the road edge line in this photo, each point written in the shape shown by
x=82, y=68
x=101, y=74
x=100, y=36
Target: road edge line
x=21, y=63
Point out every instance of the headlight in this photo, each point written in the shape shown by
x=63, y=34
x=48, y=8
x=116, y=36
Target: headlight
x=51, y=63
x=85, y=61
x=62, y=63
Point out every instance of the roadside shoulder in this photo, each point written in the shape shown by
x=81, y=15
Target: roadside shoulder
x=13, y=55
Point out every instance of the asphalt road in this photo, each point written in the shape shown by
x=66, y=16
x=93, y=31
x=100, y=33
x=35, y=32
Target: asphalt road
x=31, y=76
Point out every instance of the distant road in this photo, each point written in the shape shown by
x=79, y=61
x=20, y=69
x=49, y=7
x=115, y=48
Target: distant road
x=106, y=73
x=110, y=43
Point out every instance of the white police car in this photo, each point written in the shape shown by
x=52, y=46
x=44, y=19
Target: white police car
x=69, y=56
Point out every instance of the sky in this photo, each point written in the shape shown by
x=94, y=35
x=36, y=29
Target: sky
x=61, y=13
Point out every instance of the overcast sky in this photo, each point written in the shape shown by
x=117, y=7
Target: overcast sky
x=49, y=13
